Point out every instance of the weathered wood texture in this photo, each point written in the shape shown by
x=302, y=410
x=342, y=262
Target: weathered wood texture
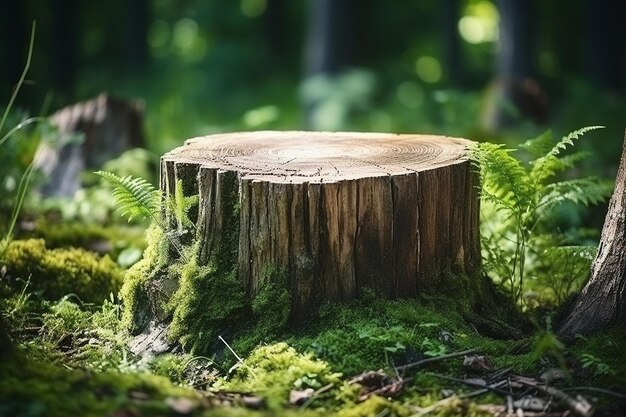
x=602, y=302
x=337, y=212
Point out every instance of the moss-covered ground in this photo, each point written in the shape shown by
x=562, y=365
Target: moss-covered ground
x=65, y=352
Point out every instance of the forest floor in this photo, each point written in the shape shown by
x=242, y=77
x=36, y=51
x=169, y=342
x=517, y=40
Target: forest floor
x=69, y=355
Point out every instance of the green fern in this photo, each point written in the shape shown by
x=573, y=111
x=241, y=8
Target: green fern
x=539, y=146
x=506, y=177
x=134, y=197
x=585, y=191
x=521, y=196
x=549, y=164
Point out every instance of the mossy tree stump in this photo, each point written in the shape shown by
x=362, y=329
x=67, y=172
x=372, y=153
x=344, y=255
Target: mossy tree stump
x=336, y=212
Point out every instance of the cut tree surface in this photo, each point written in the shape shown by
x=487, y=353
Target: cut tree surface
x=336, y=212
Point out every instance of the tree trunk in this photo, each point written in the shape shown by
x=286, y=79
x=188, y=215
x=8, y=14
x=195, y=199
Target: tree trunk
x=137, y=19
x=602, y=302
x=336, y=212
x=329, y=45
x=14, y=31
x=603, y=57
x=64, y=43
x=329, y=42
x=515, y=95
x=450, y=10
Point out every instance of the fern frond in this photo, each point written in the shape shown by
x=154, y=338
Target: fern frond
x=568, y=161
x=505, y=180
x=547, y=165
x=567, y=252
x=134, y=197
x=569, y=139
x=580, y=191
x=540, y=145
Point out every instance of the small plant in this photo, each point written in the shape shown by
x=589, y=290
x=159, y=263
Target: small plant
x=547, y=345
x=433, y=347
x=596, y=365
x=518, y=197
x=387, y=339
x=137, y=198
x=134, y=197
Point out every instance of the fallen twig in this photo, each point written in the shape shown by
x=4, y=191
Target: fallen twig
x=491, y=387
x=500, y=373
x=580, y=407
x=441, y=403
x=241, y=362
x=391, y=390
x=434, y=359
x=598, y=390
x=316, y=394
x=501, y=410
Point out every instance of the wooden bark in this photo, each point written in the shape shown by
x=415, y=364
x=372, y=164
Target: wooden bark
x=602, y=302
x=336, y=212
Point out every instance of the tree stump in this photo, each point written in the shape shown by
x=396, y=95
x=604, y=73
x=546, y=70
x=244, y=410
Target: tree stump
x=336, y=212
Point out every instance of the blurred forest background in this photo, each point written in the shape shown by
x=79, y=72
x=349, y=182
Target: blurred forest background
x=487, y=70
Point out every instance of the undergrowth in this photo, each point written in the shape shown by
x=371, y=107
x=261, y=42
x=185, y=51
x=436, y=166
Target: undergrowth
x=518, y=197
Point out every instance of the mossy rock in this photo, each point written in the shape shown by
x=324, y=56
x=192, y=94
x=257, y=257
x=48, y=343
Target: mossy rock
x=55, y=273
x=111, y=240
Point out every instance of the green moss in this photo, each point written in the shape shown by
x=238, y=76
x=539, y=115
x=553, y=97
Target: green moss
x=375, y=406
x=366, y=334
x=134, y=292
x=207, y=301
x=64, y=317
x=273, y=371
x=36, y=387
x=272, y=304
x=57, y=272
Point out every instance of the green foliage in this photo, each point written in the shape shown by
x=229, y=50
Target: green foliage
x=136, y=162
x=64, y=317
x=124, y=243
x=596, y=365
x=57, y=272
x=86, y=337
x=547, y=345
x=69, y=234
x=135, y=197
x=560, y=271
x=601, y=358
x=519, y=196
